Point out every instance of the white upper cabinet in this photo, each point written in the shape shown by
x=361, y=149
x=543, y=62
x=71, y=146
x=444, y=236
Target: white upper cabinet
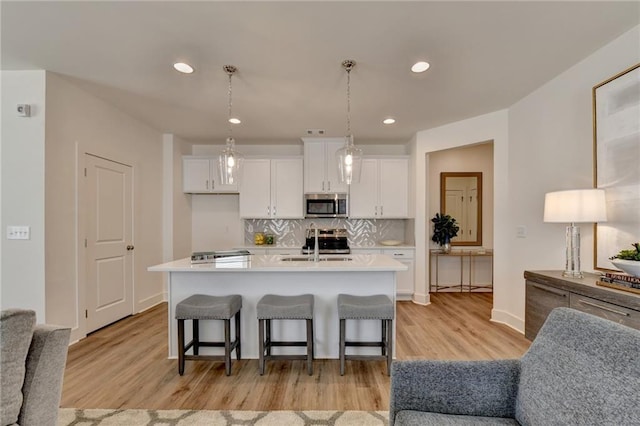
x=200, y=176
x=272, y=188
x=321, y=167
x=383, y=190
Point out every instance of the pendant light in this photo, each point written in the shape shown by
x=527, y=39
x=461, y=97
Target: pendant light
x=349, y=156
x=230, y=160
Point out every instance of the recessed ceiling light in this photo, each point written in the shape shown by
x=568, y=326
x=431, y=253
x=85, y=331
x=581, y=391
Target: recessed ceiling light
x=183, y=68
x=420, y=66
x=389, y=120
x=234, y=120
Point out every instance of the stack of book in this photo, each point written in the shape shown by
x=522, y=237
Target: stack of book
x=620, y=281
x=219, y=256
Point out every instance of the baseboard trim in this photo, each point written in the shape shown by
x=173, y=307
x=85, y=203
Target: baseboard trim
x=421, y=299
x=507, y=319
x=150, y=302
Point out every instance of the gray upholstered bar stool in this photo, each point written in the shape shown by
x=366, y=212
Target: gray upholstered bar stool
x=203, y=307
x=376, y=307
x=274, y=307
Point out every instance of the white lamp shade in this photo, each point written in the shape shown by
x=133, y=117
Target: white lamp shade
x=575, y=206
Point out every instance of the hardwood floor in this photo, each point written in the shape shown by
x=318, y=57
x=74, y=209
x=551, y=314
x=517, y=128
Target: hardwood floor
x=125, y=365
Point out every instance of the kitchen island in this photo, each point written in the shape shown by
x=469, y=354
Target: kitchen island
x=256, y=275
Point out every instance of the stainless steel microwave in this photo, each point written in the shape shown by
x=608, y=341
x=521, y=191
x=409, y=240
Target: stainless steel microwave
x=326, y=205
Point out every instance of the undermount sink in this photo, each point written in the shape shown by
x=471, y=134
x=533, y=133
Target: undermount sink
x=310, y=259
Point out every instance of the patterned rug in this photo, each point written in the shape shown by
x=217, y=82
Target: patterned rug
x=94, y=417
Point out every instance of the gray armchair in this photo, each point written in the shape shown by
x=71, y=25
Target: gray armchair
x=33, y=359
x=579, y=370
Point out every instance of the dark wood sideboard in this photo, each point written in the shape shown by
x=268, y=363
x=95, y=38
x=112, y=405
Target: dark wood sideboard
x=546, y=290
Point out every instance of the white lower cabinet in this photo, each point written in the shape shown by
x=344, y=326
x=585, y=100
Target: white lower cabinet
x=404, y=279
x=272, y=189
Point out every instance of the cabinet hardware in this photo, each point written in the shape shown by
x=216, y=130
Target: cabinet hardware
x=605, y=308
x=329, y=186
x=207, y=184
x=130, y=247
x=323, y=185
x=376, y=213
x=549, y=290
x=398, y=254
x=381, y=210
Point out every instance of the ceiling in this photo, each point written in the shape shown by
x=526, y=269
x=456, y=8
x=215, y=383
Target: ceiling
x=484, y=56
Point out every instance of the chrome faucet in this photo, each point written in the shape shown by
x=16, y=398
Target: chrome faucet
x=316, y=246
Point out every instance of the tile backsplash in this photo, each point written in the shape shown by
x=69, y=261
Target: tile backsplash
x=362, y=232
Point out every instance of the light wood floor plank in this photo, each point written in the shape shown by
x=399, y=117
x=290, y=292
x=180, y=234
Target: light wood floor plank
x=125, y=365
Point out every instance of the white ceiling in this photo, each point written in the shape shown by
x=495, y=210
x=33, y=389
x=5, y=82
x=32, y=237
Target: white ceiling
x=485, y=56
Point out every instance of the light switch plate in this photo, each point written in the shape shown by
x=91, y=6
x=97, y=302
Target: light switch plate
x=521, y=231
x=18, y=232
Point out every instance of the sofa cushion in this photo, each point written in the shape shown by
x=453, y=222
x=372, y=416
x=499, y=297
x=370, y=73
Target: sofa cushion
x=422, y=418
x=580, y=370
x=43, y=379
x=16, y=330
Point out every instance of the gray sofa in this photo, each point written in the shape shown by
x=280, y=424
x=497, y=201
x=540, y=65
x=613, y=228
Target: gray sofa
x=579, y=370
x=33, y=359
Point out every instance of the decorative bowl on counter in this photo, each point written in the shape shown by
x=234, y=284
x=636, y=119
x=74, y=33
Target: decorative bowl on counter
x=631, y=267
x=391, y=242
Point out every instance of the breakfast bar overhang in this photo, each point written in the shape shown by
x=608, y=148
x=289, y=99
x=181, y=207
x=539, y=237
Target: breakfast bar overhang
x=254, y=276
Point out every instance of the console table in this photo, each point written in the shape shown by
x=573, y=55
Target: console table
x=546, y=290
x=470, y=256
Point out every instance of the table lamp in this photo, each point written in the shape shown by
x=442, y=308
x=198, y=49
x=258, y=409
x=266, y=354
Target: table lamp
x=575, y=206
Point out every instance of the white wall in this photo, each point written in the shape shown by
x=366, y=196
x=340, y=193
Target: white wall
x=551, y=148
x=181, y=204
x=23, y=191
x=483, y=128
x=78, y=122
x=542, y=143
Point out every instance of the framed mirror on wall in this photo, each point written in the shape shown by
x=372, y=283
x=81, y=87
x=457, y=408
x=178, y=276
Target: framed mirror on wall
x=616, y=148
x=461, y=198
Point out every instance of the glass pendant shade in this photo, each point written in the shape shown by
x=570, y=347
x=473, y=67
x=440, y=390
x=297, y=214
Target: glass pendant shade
x=230, y=164
x=349, y=159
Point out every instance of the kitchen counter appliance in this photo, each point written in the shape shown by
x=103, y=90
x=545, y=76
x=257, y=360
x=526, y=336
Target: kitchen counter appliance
x=326, y=205
x=330, y=241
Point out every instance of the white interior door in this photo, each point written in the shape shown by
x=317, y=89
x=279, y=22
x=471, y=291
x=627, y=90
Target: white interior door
x=109, y=242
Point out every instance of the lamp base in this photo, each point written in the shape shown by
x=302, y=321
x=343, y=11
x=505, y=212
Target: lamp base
x=572, y=266
x=573, y=274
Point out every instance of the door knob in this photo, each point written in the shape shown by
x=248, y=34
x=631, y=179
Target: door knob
x=130, y=247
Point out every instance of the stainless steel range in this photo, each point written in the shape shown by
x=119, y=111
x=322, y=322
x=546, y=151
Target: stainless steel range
x=330, y=241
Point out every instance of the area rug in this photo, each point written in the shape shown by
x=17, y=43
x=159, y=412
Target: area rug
x=95, y=417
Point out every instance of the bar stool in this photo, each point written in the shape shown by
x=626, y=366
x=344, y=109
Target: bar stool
x=274, y=307
x=376, y=307
x=202, y=307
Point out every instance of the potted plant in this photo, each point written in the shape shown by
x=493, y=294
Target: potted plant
x=444, y=229
x=628, y=260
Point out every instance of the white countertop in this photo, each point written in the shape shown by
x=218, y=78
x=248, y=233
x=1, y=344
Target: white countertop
x=275, y=263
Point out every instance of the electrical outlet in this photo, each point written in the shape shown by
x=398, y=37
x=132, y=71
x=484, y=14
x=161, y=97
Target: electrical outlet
x=18, y=232
x=521, y=231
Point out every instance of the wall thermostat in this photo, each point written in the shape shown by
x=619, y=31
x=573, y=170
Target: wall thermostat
x=24, y=110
